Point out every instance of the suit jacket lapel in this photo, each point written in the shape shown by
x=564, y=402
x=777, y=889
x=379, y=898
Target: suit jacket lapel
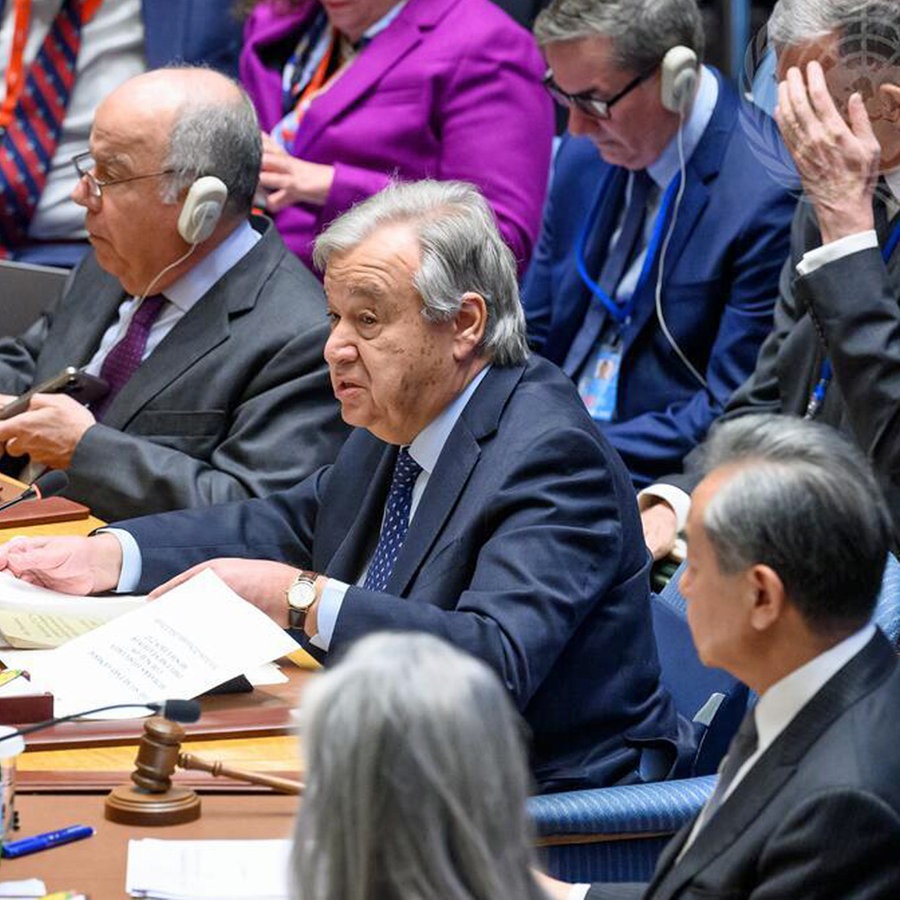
x=85, y=321
x=203, y=327
x=385, y=51
x=702, y=169
x=478, y=420
x=360, y=538
x=775, y=767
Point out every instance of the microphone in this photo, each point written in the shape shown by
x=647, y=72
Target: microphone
x=47, y=485
x=174, y=710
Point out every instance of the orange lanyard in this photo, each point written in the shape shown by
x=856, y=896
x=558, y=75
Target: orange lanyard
x=320, y=77
x=15, y=71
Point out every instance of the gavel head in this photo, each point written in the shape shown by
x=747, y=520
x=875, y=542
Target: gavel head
x=157, y=755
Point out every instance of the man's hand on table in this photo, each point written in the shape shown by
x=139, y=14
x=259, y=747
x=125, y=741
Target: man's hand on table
x=72, y=565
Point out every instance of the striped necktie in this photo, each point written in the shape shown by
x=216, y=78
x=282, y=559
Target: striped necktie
x=29, y=142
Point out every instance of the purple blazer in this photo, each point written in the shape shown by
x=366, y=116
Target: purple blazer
x=451, y=89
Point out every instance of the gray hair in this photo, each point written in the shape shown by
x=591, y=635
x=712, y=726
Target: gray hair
x=803, y=501
x=461, y=249
x=641, y=31
x=416, y=779
x=868, y=27
x=216, y=138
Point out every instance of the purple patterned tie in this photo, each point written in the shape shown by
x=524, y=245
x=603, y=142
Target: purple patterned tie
x=396, y=521
x=122, y=361
x=28, y=144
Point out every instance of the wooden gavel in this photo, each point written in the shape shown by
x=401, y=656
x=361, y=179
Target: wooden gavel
x=152, y=799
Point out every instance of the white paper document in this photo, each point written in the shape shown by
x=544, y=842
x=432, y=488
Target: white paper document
x=191, y=639
x=208, y=870
x=32, y=616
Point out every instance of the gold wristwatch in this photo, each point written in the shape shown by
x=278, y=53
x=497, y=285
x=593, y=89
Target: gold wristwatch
x=300, y=597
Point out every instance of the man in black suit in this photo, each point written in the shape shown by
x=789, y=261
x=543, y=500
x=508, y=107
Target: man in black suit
x=787, y=542
x=834, y=353
x=474, y=500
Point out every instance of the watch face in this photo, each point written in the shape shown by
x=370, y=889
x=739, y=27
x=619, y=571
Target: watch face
x=301, y=594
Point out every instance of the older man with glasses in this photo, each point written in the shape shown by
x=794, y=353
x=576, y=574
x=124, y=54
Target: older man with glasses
x=207, y=331
x=657, y=268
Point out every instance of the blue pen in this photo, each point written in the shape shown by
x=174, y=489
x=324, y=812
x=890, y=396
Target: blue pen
x=37, y=842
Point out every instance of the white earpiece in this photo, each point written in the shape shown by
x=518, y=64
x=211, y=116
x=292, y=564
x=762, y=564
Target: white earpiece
x=202, y=209
x=678, y=78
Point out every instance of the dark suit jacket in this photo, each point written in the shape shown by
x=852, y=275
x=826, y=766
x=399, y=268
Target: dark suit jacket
x=235, y=402
x=818, y=816
x=196, y=32
x=849, y=309
x=525, y=550
x=719, y=286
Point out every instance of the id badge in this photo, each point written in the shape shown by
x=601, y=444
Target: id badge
x=599, y=384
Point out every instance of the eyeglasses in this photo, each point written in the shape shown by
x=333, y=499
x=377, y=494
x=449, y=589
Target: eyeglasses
x=588, y=102
x=85, y=165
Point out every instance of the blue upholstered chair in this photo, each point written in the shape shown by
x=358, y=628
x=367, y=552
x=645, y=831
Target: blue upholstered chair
x=616, y=834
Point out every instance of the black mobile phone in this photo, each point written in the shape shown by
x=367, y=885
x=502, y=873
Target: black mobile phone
x=77, y=384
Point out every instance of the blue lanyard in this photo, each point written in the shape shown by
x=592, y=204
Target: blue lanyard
x=621, y=312
x=817, y=397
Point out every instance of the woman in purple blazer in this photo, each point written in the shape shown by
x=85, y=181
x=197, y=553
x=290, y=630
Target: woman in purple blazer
x=357, y=92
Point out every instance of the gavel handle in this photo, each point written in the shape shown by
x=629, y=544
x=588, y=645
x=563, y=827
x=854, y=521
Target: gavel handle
x=282, y=785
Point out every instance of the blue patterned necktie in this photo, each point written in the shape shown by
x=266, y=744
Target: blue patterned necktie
x=396, y=521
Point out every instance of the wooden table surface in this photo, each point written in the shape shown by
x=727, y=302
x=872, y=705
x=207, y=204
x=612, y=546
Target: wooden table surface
x=96, y=865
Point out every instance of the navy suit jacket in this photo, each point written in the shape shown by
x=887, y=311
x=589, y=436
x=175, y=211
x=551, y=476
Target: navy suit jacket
x=817, y=816
x=525, y=550
x=719, y=287
x=192, y=31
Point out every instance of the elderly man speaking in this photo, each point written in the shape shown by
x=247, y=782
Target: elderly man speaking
x=475, y=500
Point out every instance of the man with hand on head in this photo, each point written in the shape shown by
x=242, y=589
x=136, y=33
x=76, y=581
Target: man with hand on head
x=834, y=354
x=787, y=541
x=656, y=271
x=453, y=508
x=206, y=329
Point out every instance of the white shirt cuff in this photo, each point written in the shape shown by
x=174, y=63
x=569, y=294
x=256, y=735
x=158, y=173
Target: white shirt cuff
x=326, y=615
x=578, y=892
x=132, y=563
x=820, y=256
x=668, y=493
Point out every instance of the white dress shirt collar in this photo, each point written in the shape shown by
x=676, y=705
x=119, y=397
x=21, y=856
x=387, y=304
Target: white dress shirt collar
x=779, y=705
x=427, y=445
x=198, y=280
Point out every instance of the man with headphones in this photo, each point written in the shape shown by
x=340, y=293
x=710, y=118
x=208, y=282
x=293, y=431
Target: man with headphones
x=656, y=271
x=206, y=331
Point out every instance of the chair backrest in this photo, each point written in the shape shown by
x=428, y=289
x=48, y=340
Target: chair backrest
x=887, y=611
x=25, y=292
x=713, y=700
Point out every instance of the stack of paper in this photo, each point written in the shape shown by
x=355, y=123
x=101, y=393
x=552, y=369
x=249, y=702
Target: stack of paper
x=32, y=616
x=208, y=870
x=194, y=637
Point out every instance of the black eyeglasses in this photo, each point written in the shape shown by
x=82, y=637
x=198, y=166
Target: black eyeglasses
x=84, y=166
x=588, y=102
